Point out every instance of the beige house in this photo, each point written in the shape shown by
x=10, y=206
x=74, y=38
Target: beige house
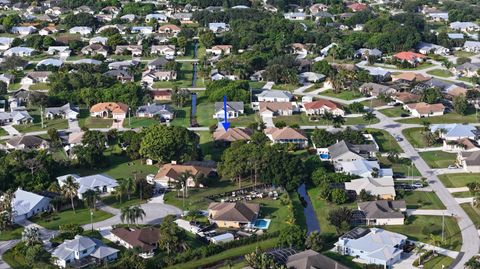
x=383, y=212
x=233, y=215
x=382, y=188
x=469, y=160
x=287, y=135
x=423, y=110
x=170, y=173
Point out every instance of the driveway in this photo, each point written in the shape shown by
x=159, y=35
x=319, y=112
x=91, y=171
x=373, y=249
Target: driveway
x=10, y=130
x=4, y=246
x=427, y=212
x=73, y=125
x=268, y=121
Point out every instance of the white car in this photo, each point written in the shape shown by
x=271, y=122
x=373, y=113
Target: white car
x=417, y=185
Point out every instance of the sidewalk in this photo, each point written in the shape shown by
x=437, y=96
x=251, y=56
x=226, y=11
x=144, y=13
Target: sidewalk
x=428, y=212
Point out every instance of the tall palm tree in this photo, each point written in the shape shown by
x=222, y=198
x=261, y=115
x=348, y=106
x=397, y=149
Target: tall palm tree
x=184, y=179
x=137, y=213
x=434, y=240
x=120, y=192
x=338, y=121
x=69, y=190
x=328, y=117
x=369, y=116
x=125, y=215
x=90, y=198
x=131, y=214
x=130, y=186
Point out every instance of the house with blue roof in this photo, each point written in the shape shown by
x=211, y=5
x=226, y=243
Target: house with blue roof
x=457, y=137
x=157, y=17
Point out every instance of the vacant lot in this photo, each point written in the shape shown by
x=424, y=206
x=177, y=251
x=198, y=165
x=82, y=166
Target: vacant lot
x=422, y=200
x=438, y=159
x=385, y=141
x=345, y=95
x=458, y=180
x=416, y=137
x=394, y=112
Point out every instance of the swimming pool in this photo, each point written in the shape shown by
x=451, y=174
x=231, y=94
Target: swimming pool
x=261, y=224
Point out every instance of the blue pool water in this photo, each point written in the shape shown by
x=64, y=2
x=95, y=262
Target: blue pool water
x=262, y=224
x=324, y=156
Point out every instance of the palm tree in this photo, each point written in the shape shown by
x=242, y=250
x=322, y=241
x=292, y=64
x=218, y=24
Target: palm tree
x=131, y=214
x=183, y=178
x=90, y=198
x=338, y=121
x=434, y=240
x=54, y=187
x=129, y=185
x=31, y=236
x=369, y=116
x=138, y=213
x=70, y=190
x=125, y=215
x=328, y=117
x=120, y=192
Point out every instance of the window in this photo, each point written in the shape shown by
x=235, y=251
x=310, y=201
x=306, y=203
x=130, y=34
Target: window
x=85, y=251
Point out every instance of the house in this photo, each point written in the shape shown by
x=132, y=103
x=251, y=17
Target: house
x=311, y=77
x=315, y=8
x=438, y=16
x=381, y=187
x=405, y=97
x=427, y=48
x=6, y=42
x=308, y=259
x=357, y=7
x=422, y=110
x=161, y=95
x=376, y=90
x=464, y=26
x=410, y=77
x=295, y=16
x=49, y=30
x=28, y=204
x=82, y=30
x=469, y=160
x=66, y=111
x=33, y=77
x=233, y=215
x=83, y=9
x=7, y=78
x=143, y=239
x=99, y=40
x=274, y=96
x=157, y=17
x=232, y=135
x=19, y=51
x=454, y=91
x=100, y=183
x=455, y=131
x=120, y=75
x=169, y=29
x=83, y=251
x=234, y=110
x=167, y=50
x=322, y=15
x=23, y=30
x=270, y=109
x=145, y=30
x=164, y=112
x=158, y=64
x=344, y=151
x=50, y=62
x=26, y=143
x=62, y=51
x=363, y=168
x=467, y=70
x=183, y=17
x=117, y=111
x=218, y=27
x=220, y=50
x=170, y=172
x=365, y=53
x=86, y=61
x=95, y=49
x=455, y=36
x=125, y=65
x=134, y=50
x=383, y=212
x=372, y=245
x=321, y=106
x=410, y=57
x=222, y=238
x=151, y=76
x=287, y=135
x=471, y=46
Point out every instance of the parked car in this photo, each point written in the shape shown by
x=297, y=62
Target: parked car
x=399, y=139
x=417, y=185
x=452, y=166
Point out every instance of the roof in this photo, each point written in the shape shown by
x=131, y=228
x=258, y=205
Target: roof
x=274, y=106
x=91, y=182
x=145, y=238
x=406, y=97
x=239, y=211
x=463, y=25
x=78, y=244
x=110, y=106
x=155, y=109
x=29, y=141
x=285, y=133
x=233, y=134
x=357, y=6
x=275, y=94
x=320, y=103
x=67, y=108
x=364, y=168
x=409, y=56
x=343, y=147
x=175, y=170
x=309, y=259
x=373, y=186
x=455, y=130
x=410, y=76
x=24, y=201
x=424, y=108
x=231, y=106
x=103, y=252
x=169, y=26
x=383, y=209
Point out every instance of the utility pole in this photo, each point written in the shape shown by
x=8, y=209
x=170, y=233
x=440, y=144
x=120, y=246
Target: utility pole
x=129, y=122
x=443, y=224
x=91, y=218
x=41, y=116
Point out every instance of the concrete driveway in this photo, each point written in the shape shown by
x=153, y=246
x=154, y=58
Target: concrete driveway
x=4, y=246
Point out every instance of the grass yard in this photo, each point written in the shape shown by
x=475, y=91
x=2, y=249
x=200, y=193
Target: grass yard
x=113, y=202
x=256, y=84
x=373, y=102
x=303, y=119
x=3, y=132
x=16, y=261
x=205, y=112
x=345, y=95
x=37, y=126
x=399, y=168
x=451, y=117
x=473, y=213
x=139, y=122
x=415, y=137
x=440, y=73
x=419, y=67
x=438, y=262
x=184, y=78
x=458, y=180
x=345, y=260
x=419, y=228
x=182, y=117
x=422, y=200
x=438, y=159
x=81, y=217
x=394, y=112
x=463, y=194
x=39, y=87
x=461, y=53
x=208, y=147
x=14, y=233
x=93, y=122
x=385, y=141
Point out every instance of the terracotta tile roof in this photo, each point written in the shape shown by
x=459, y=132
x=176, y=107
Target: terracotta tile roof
x=409, y=56
x=233, y=134
x=320, y=103
x=175, y=170
x=357, y=7
x=285, y=133
x=169, y=26
x=406, y=97
x=110, y=106
x=410, y=76
x=145, y=238
x=161, y=93
x=242, y=212
x=424, y=108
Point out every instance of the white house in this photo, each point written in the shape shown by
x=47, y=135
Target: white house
x=372, y=245
x=363, y=168
x=146, y=30
x=422, y=110
x=234, y=109
x=274, y=96
x=82, y=30
x=218, y=27
x=98, y=40
x=382, y=187
x=167, y=50
x=157, y=17
x=84, y=251
x=62, y=51
x=5, y=42
x=19, y=51
x=36, y=77
x=27, y=204
x=99, y=183
x=23, y=30
x=295, y=16
x=471, y=46
x=66, y=111
x=464, y=26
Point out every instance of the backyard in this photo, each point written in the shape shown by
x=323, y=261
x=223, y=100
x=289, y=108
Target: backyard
x=440, y=73
x=438, y=159
x=303, y=120
x=450, y=117
x=394, y=112
x=458, y=180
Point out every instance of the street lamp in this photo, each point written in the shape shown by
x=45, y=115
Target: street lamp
x=91, y=218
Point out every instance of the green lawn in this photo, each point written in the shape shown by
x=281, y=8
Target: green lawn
x=458, y=180
x=14, y=233
x=16, y=261
x=208, y=147
x=3, y=132
x=58, y=124
x=182, y=117
x=394, y=112
x=451, y=117
x=438, y=262
x=373, y=102
x=399, y=168
x=205, y=112
x=113, y=202
x=440, y=73
x=285, y=87
x=94, y=122
x=415, y=137
x=81, y=217
x=39, y=87
x=416, y=227
x=460, y=53
x=184, y=78
x=303, y=119
x=139, y=122
x=385, y=141
x=438, y=159
x=463, y=194
x=346, y=260
x=473, y=213
x=424, y=65
x=345, y=95
x=422, y=200
x=256, y=84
